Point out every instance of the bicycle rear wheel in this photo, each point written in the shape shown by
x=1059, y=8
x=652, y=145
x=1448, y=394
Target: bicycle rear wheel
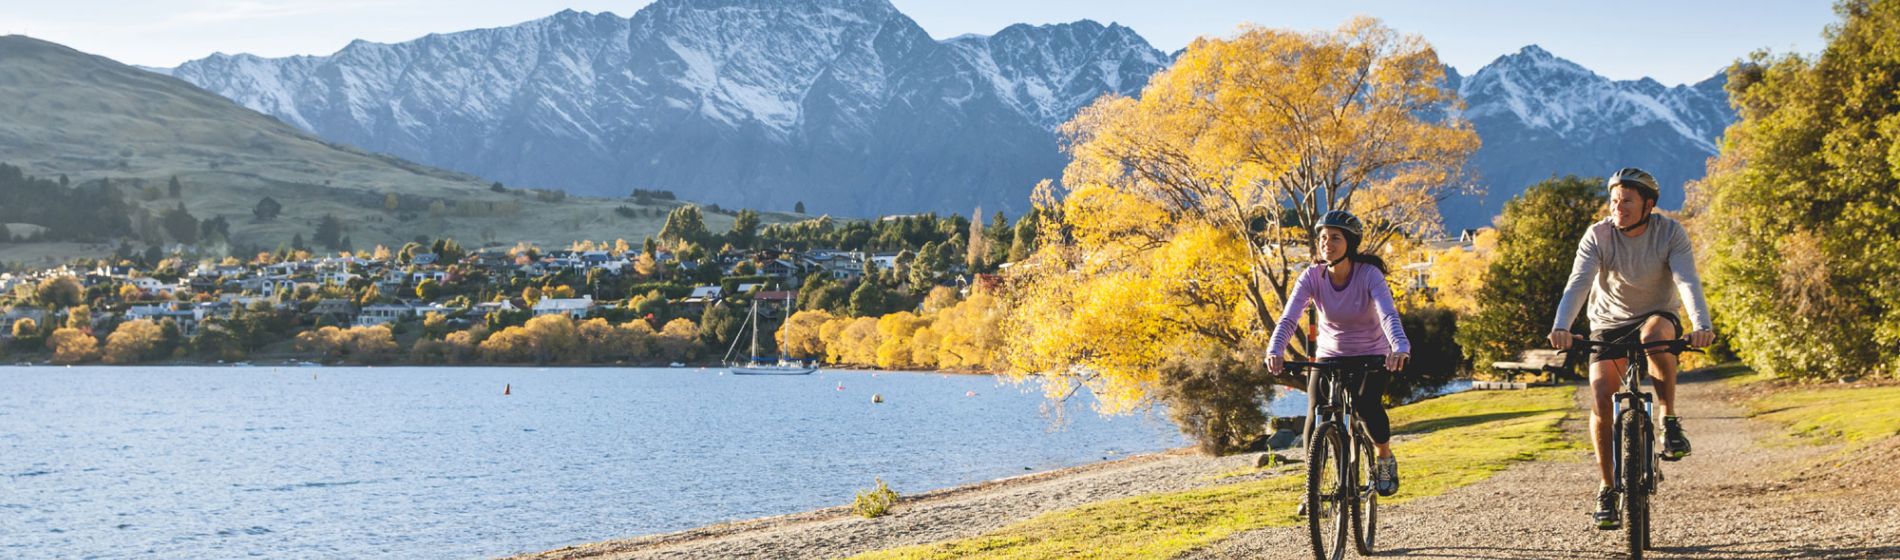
x=1634, y=429
x=1365, y=518
x=1328, y=491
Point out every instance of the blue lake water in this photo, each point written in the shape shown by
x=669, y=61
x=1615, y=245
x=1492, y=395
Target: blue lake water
x=198, y=462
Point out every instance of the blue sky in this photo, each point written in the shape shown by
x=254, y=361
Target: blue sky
x=1674, y=42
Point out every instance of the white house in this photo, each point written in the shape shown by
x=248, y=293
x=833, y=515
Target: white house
x=576, y=308
x=383, y=314
x=147, y=284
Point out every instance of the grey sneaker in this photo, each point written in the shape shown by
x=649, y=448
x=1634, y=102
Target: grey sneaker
x=1386, y=481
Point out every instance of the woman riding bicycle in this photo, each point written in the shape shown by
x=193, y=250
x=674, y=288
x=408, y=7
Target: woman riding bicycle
x=1358, y=326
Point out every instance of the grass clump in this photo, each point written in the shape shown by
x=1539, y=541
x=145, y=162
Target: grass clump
x=875, y=502
x=1475, y=434
x=1856, y=416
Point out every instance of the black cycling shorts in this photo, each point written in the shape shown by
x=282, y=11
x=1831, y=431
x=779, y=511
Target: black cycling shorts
x=1632, y=332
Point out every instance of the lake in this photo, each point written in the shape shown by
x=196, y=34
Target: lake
x=195, y=462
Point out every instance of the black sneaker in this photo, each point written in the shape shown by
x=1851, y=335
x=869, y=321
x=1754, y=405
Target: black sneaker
x=1387, y=481
x=1606, y=516
x=1675, y=444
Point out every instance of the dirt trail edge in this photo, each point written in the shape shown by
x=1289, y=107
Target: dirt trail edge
x=933, y=516
x=1744, y=494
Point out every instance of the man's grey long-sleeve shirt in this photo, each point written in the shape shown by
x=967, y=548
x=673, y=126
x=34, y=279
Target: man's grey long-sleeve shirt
x=1628, y=277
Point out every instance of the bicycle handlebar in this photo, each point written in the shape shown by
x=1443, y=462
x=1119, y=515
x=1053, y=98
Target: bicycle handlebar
x=1580, y=344
x=1333, y=366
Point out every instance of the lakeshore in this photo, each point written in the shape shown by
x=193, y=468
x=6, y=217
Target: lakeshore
x=398, y=462
x=1460, y=455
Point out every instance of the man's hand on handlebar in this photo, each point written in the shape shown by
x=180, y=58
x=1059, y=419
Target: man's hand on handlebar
x=1560, y=339
x=1701, y=338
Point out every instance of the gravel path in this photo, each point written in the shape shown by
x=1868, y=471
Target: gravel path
x=946, y=514
x=1745, y=494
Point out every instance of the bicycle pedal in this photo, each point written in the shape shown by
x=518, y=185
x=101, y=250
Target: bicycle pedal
x=1609, y=525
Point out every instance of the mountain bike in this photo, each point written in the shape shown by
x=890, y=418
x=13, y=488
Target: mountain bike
x=1339, y=492
x=1637, y=469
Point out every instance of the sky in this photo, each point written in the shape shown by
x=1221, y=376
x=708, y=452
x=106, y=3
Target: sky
x=1673, y=42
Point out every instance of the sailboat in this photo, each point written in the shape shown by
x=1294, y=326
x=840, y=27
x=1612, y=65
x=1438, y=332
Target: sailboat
x=756, y=366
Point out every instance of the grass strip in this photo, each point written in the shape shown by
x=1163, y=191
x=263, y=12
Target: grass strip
x=1460, y=439
x=1856, y=416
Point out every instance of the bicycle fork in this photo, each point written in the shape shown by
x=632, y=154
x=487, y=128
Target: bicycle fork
x=1625, y=401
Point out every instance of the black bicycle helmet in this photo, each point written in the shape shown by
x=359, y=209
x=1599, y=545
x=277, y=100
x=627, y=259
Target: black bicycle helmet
x=1343, y=220
x=1633, y=178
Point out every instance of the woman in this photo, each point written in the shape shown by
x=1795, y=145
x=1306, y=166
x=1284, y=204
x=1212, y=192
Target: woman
x=1358, y=324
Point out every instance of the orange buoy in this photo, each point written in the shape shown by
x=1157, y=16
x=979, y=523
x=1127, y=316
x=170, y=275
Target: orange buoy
x=507, y=389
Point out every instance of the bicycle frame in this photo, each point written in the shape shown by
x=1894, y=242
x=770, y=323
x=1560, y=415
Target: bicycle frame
x=1339, y=407
x=1632, y=397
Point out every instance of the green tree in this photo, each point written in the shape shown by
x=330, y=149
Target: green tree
x=180, y=225
x=718, y=324
x=329, y=232
x=820, y=292
x=871, y=299
x=799, y=208
x=1798, y=215
x=1537, y=242
x=1023, y=240
x=267, y=209
x=685, y=224
x=745, y=230
x=177, y=189
x=428, y=289
x=59, y=291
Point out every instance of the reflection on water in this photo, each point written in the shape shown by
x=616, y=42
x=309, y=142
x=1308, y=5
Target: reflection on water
x=438, y=462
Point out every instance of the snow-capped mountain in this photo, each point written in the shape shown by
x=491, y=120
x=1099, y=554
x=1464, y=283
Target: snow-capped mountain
x=1539, y=115
x=850, y=107
x=846, y=105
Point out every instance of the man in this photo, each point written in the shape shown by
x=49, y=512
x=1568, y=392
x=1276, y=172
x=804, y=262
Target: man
x=1636, y=270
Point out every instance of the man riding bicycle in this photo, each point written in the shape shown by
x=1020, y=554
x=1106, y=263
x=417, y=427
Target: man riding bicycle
x=1636, y=269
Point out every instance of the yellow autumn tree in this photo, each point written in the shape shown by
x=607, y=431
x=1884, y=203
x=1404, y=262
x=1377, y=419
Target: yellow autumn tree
x=857, y=343
x=132, y=341
x=894, y=333
x=970, y=334
x=1457, y=272
x=1189, y=211
x=799, y=336
x=72, y=346
x=677, y=340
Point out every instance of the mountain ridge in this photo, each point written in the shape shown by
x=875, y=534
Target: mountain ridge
x=851, y=107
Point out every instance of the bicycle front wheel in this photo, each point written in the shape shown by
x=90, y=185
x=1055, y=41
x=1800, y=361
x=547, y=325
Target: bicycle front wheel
x=1635, y=431
x=1329, y=492
x=1365, y=519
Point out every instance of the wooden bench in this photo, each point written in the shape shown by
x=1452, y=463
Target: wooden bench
x=1529, y=361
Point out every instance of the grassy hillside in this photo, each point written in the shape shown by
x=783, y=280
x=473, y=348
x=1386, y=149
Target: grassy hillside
x=64, y=112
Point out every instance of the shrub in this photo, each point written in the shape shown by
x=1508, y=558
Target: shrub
x=875, y=502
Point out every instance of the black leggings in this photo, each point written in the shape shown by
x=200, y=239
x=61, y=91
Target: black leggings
x=1368, y=385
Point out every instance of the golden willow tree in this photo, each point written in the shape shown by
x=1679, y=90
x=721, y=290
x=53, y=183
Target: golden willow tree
x=1188, y=212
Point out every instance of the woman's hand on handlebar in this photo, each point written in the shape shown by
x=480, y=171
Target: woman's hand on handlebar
x=1396, y=361
x=1276, y=364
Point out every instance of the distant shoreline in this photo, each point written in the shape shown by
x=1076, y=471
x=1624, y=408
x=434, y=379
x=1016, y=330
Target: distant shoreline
x=276, y=363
